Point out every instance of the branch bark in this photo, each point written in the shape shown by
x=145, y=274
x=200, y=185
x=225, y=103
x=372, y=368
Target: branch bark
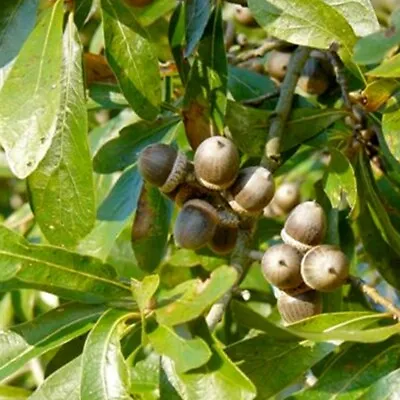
x=373, y=294
x=272, y=157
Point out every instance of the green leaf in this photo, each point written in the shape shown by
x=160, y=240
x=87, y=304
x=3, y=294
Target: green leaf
x=386, y=387
x=13, y=393
x=61, y=188
x=197, y=298
x=105, y=375
x=359, y=14
x=378, y=92
x=353, y=371
x=153, y=11
x=373, y=48
x=344, y=326
x=376, y=207
x=145, y=377
x=186, y=353
x=205, y=96
x=340, y=180
x=48, y=331
x=144, y=291
x=57, y=271
x=310, y=23
x=30, y=97
x=390, y=128
x=188, y=258
x=82, y=11
x=150, y=228
x=122, y=151
x=105, y=95
x=220, y=378
x=249, y=126
x=272, y=365
x=197, y=14
x=245, y=84
x=388, y=69
x=17, y=19
x=63, y=384
x=176, y=37
x=132, y=59
x=122, y=200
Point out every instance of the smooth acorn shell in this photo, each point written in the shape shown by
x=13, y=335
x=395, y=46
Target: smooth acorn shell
x=156, y=162
x=287, y=196
x=224, y=239
x=305, y=226
x=298, y=307
x=195, y=225
x=313, y=79
x=277, y=63
x=325, y=268
x=281, y=266
x=216, y=163
x=244, y=16
x=252, y=190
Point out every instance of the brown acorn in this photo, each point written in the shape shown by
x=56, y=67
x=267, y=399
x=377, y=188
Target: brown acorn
x=305, y=226
x=224, y=239
x=277, y=64
x=313, y=80
x=325, y=268
x=216, y=163
x=281, y=266
x=252, y=190
x=163, y=166
x=195, y=224
x=244, y=16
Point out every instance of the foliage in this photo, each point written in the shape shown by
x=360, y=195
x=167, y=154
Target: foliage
x=96, y=300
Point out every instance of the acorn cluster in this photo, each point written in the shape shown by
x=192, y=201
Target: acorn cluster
x=213, y=191
x=302, y=267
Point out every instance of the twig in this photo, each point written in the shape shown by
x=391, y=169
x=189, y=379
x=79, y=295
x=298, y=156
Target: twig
x=338, y=69
x=258, y=100
x=239, y=261
x=256, y=255
x=373, y=294
x=272, y=158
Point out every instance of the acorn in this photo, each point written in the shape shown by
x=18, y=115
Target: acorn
x=313, y=79
x=277, y=64
x=216, y=163
x=252, y=190
x=297, y=307
x=163, y=166
x=305, y=226
x=224, y=239
x=244, y=16
x=286, y=197
x=281, y=266
x=325, y=268
x=195, y=224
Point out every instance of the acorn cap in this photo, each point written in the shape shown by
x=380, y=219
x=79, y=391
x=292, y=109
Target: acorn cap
x=313, y=79
x=252, y=190
x=305, y=226
x=162, y=166
x=325, y=268
x=195, y=224
x=298, y=307
x=281, y=266
x=216, y=163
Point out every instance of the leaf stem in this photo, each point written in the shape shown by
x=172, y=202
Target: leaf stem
x=272, y=157
x=373, y=294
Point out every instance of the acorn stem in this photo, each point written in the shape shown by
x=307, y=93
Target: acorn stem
x=255, y=255
x=374, y=295
x=240, y=262
x=271, y=158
